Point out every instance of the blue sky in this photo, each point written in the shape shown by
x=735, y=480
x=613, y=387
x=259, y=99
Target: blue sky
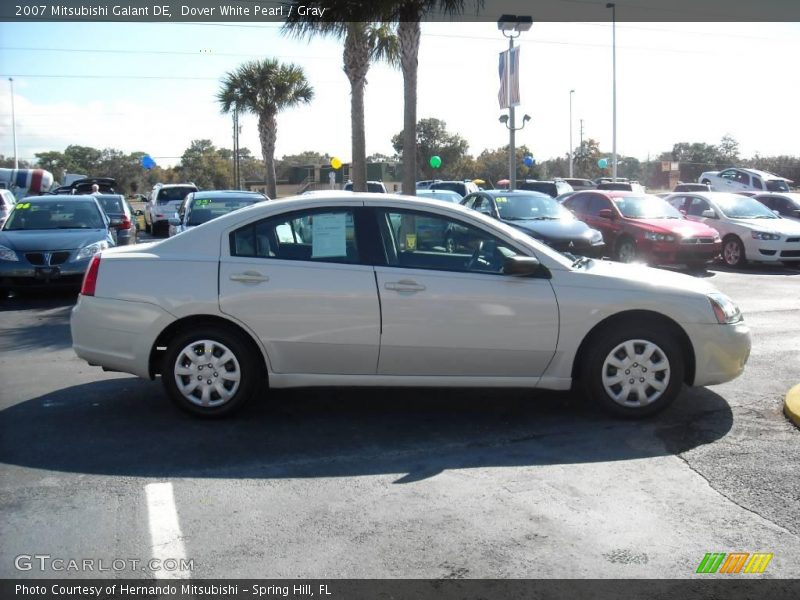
x=676, y=82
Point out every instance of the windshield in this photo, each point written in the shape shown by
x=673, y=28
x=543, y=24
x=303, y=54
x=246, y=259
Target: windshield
x=530, y=206
x=735, y=206
x=203, y=210
x=173, y=194
x=54, y=215
x=777, y=185
x=645, y=207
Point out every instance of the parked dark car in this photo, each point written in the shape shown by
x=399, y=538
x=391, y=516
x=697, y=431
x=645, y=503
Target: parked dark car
x=581, y=184
x=786, y=204
x=622, y=186
x=552, y=188
x=201, y=207
x=123, y=220
x=48, y=241
x=692, y=187
x=539, y=216
x=645, y=227
x=461, y=187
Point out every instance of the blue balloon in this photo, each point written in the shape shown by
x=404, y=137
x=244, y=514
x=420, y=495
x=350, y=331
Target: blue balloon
x=529, y=161
x=602, y=163
x=148, y=162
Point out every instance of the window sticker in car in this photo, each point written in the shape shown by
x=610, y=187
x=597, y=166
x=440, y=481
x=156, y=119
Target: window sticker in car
x=23, y=205
x=411, y=241
x=501, y=199
x=328, y=236
x=202, y=202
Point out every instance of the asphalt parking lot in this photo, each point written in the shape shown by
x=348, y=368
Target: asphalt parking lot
x=394, y=483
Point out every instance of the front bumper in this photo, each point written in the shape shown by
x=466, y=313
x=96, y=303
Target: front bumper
x=773, y=250
x=721, y=351
x=679, y=253
x=23, y=275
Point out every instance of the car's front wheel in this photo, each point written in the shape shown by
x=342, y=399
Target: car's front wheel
x=633, y=371
x=210, y=371
x=733, y=251
x=626, y=250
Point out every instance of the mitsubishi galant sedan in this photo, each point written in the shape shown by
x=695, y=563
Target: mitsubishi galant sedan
x=336, y=290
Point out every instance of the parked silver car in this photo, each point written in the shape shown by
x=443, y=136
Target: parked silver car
x=336, y=291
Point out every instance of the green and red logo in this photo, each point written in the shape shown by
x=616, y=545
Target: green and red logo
x=734, y=562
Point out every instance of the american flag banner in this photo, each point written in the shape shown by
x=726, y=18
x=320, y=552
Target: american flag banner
x=509, y=78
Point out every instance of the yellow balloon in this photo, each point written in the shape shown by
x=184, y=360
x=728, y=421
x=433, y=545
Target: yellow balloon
x=336, y=163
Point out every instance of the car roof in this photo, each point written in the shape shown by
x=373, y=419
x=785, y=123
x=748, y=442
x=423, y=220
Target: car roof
x=210, y=193
x=760, y=173
x=62, y=197
x=515, y=193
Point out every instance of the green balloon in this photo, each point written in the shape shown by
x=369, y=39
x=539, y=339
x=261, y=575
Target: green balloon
x=435, y=161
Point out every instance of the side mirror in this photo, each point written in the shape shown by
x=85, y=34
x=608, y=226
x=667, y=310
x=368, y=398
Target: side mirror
x=682, y=211
x=709, y=213
x=606, y=213
x=523, y=266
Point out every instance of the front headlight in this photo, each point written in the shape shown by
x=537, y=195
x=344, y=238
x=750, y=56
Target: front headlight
x=659, y=237
x=764, y=235
x=91, y=250
x=724, y=309
x=8, y=254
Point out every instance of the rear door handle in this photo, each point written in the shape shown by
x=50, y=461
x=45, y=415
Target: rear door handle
x=249, y=277
x=404, y=285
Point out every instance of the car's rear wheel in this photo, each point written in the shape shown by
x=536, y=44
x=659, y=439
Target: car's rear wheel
x=733, y=251
x=626, y=250
x=633, y=371
x=210, y=371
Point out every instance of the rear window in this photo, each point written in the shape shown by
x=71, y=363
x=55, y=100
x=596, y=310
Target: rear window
x=777, y=185
x=540, y=186
x=112, y=205
x=173, y=194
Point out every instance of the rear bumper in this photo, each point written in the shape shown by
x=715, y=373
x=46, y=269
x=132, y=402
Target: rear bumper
x=117, y=334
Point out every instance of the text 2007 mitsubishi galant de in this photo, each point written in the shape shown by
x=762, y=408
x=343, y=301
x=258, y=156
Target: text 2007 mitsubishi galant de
x=357, y=290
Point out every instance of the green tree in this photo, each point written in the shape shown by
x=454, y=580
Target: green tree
x=492, y=165
x=433, y=139
x=82, y=159
x=364, y=42
x=264, y=88
x=206, y=165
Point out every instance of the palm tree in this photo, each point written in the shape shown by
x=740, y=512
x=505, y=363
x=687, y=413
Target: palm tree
x=264, y=88
x=363, y=43
x=407, y=14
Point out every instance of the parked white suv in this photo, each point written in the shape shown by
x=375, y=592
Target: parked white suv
x=164, y=201
x=739, y=180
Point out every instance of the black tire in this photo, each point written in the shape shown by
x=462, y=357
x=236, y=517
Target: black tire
x=733, y=252
x=244, y=359
x=655, y=370
x=626, y=250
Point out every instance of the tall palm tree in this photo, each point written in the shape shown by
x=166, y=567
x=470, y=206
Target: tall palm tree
x=364, y=43
x=407, y=14
x=264, y=88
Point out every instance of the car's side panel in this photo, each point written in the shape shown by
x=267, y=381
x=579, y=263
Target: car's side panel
x=310, y=317
x=470, y=324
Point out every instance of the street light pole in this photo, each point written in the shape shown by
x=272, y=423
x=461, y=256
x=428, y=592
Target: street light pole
x=613, y=8
x=512, y=26
x=571, y=92
x=13, y=123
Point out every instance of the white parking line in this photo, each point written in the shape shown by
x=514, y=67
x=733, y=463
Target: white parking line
x=165, y=532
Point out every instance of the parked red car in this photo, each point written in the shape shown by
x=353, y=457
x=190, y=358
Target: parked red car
x=643, y=227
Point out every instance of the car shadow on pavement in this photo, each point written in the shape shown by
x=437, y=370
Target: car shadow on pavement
x=127, y=427
x=49, y=330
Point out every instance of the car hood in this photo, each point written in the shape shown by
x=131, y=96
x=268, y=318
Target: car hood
x=784, y=226
x=680, y=227
x=51, y=239
x=637, y=277
x=560, y=229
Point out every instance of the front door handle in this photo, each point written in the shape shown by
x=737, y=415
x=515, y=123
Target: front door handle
x=404, y=285
x=249, y=277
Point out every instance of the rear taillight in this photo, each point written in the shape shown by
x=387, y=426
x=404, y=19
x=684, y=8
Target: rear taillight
x=90, y=278
x=126, y=223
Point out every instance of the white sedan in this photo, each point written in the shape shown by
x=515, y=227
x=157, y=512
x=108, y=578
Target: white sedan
x=749, y=230
x=335, y=290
